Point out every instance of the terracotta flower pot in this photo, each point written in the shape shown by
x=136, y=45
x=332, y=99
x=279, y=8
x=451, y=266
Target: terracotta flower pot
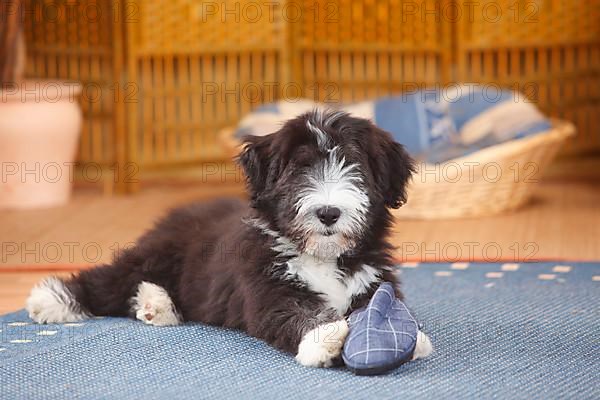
x=40, y=123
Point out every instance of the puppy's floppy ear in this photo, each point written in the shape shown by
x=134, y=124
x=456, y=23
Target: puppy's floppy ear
x=255, y=159
x=393, y=168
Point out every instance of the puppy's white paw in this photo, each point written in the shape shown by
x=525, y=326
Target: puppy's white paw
x=320, y=346
x=152, y=305
x=423, y=348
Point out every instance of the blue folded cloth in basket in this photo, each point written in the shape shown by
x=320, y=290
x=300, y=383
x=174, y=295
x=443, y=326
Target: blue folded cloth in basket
x=383, y=335
x=435, y=125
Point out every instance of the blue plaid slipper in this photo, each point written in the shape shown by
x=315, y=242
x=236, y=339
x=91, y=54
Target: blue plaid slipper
x=382, y=335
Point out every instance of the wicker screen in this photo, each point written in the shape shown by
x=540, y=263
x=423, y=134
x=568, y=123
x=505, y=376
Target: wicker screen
x=353, y=50
x=199, y=67
x=76, y=41
x=550, y=50
x=173, y=73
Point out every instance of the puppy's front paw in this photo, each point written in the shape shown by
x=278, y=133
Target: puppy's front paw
x=320, y=346
x=423, y=348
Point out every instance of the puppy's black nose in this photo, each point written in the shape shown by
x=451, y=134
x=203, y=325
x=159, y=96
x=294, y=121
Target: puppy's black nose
x=328, y=215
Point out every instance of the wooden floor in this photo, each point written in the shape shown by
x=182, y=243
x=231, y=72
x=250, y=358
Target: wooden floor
x=563, y=222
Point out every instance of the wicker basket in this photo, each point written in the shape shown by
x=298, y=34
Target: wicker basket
x=493, y=180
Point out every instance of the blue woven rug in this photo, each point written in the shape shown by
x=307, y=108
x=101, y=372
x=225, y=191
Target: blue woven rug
x=499, y=330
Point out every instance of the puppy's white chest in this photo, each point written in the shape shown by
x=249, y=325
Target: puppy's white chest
x=325, y=278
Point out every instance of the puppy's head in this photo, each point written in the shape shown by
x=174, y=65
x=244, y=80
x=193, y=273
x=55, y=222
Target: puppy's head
x=325, y=180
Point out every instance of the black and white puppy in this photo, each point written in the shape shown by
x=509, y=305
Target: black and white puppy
x=287, y=269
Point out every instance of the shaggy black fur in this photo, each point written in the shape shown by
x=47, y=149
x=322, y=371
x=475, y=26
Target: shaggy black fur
x=222, y=271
